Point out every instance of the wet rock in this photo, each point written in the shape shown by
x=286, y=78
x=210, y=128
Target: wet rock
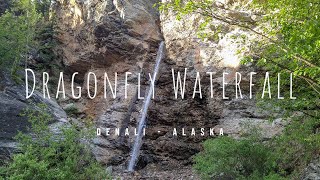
x=143, y=161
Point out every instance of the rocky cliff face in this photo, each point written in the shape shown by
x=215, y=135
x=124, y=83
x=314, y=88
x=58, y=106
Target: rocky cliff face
x=13, y=103
x=123, y=36
x=100, y=33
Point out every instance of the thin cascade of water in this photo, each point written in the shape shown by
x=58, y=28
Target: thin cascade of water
x=138, y=140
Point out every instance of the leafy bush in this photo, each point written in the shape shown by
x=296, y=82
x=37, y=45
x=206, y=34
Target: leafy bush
x=240, y=159
x=297, y=146
x=45, y=155
x=282, y=157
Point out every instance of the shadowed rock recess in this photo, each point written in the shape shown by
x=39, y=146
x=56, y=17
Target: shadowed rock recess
x=123, y=36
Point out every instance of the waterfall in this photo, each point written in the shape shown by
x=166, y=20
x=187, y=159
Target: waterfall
x=138, y=140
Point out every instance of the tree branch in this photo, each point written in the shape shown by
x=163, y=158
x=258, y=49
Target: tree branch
x=229, y=21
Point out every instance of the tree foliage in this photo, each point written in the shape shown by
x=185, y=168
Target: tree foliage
x=288, y=43
x=226, y=157
x=45, y=155
x=17, y=27
x=21, y=28
x=293, y=46
x=288, y=31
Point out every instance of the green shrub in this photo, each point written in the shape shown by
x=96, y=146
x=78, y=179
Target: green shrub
x=297, y=146
x=283, y=157
x=45, y=155
x=227, y=157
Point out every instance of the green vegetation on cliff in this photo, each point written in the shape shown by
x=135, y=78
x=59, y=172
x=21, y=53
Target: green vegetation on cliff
x=282, y=157
x=25, y=32
x=48, y=155
x=17, y=27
